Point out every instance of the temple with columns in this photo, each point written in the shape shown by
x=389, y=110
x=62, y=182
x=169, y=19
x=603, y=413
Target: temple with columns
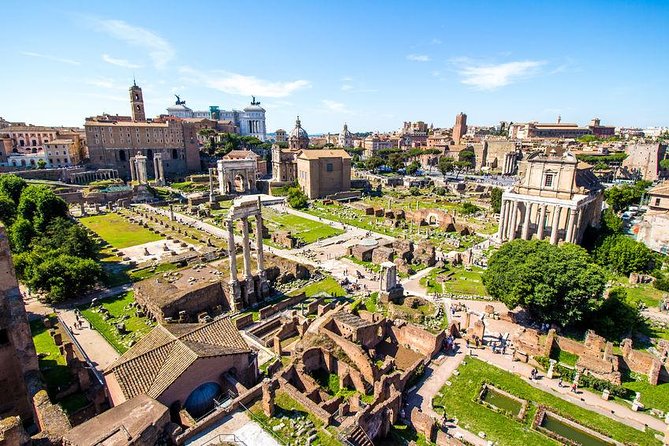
x=557, y=198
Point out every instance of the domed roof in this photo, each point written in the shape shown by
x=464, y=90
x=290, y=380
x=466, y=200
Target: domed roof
x=298, y=131
x=201, y=400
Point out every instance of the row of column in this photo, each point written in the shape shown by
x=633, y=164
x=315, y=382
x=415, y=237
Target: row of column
x=246, y=248
x=158, y=171
x=514, y=211
x=138, y=169
x=509, y=166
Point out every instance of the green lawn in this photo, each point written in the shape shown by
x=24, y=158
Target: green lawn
x=308, y=231
x=458, y=401
x=645, y=293
x=656, y=397
x=120, y=311
x=51, y=362
x=327, y=285
x=119, y=232
x=461, y=282
x=288, y=407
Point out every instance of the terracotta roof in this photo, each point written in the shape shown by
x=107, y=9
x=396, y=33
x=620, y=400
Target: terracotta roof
x=240, y=154
x=315, y=154
x=660, y=189
x=163, y=355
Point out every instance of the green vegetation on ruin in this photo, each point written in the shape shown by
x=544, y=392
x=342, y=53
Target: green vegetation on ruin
x=306, y=230
x=117, y=231
x=462, y=281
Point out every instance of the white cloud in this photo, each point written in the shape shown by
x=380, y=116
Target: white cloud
x=160, y=51
x=490, y=77
x=436, y=41
x=234, y=83
x=52, y=58
x=334, y=106
x=418, y=57
x=346, y=87
x=119, y=62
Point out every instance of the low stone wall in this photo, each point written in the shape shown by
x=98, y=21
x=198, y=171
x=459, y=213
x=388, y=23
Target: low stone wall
x=309, y=405
x=644, y=363
x=280, y=306
x=243, y=321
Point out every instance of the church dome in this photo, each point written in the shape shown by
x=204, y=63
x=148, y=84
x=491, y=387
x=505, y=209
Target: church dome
x=298, y=131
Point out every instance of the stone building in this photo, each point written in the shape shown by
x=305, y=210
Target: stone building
x=17, y=351
x=539, y=130
x=643, y=160
x=323, y=172
x=653, y=231
x=238, y=172
x=345, y=138
x=557, y=197
x=113, y=139
x=284, y=161
x=249, y=122
x=460, y=127
x=280, y=135
x=25, y=145
x=184, y=366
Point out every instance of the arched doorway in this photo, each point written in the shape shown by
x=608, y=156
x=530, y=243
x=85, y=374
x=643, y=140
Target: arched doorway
x=202, y=399
x=240, y=183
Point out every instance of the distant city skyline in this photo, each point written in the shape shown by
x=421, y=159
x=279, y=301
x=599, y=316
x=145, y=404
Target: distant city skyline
x=372, y=64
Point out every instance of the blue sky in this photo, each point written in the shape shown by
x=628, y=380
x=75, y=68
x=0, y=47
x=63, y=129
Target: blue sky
x=371, y=64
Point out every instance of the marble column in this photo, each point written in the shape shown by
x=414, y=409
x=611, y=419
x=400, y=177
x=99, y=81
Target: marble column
x=133, y=169
x=514, y=221
x=571, y=222
x=542, y=222
x=247, y=249
x=526, y=222
x=259, y=247
x=502, y=213
x=555, y=224
x=507, y=219
x=579, y=222
x=232, y=252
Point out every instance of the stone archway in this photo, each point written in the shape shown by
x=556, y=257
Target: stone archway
x=240, y=183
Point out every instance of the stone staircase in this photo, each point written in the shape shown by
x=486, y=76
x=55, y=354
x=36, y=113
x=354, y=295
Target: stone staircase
x=355, y=436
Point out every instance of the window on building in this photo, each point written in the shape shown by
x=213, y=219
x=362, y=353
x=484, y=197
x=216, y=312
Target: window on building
x=548, y=180
x=328, y=167
x=175, y=154
x=22, y=143
x=657, y=202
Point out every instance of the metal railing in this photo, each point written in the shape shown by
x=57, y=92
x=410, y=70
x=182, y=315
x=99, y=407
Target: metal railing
x=79, y=348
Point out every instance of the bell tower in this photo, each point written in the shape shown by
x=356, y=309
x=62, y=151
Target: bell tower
x=137, y=103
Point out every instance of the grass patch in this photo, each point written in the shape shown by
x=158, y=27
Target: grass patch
x=462, y=281
x=288, y=407
x=328, y=285
x=564, y=357
x=120, y=311
x=73, y=403
x=117, y=231
x=656, y=397
x=145, y=273
x=459, y=401
x=307, y=231
x=51, y=362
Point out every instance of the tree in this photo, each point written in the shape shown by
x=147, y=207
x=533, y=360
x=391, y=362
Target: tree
x=40, y=205
x=66, y=237
x=12, y=186
x=374, y=163
x=468, y=208
x=445, y=165
x=460, y=166
x=496, y=199
x=41, y=164
x=623, y=255
x=467, y=156
x=617, y=317
x=7, y=209
x=21, y=234
x=413, y=168
x=664, y=164
x=64, y=276
x=553, y=283
x=395, y=161
x=620, y=197
x=296, y=198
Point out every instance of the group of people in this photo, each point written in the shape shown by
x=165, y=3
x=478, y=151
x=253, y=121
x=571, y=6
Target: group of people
x=78, y=321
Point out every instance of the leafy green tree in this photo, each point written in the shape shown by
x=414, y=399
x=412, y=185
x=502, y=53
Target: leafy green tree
x=461, y=166
x=40, y=205
x=620, y=197
x=617, y=317
x=7, y=209
x=41, y=164
x=66, y=237
x=664, y=164
x=553, y=283
x=373, y=163
x=64, y=277
x=21, y=234
x=468, y=208
x=413, y=168
x=395, y=161
x=12, y=186
x=445, y=165
x=296, y=198
x=467, y=156
x=496, y=199
x=623, y=255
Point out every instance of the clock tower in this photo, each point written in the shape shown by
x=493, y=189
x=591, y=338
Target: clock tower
x=137, y=103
